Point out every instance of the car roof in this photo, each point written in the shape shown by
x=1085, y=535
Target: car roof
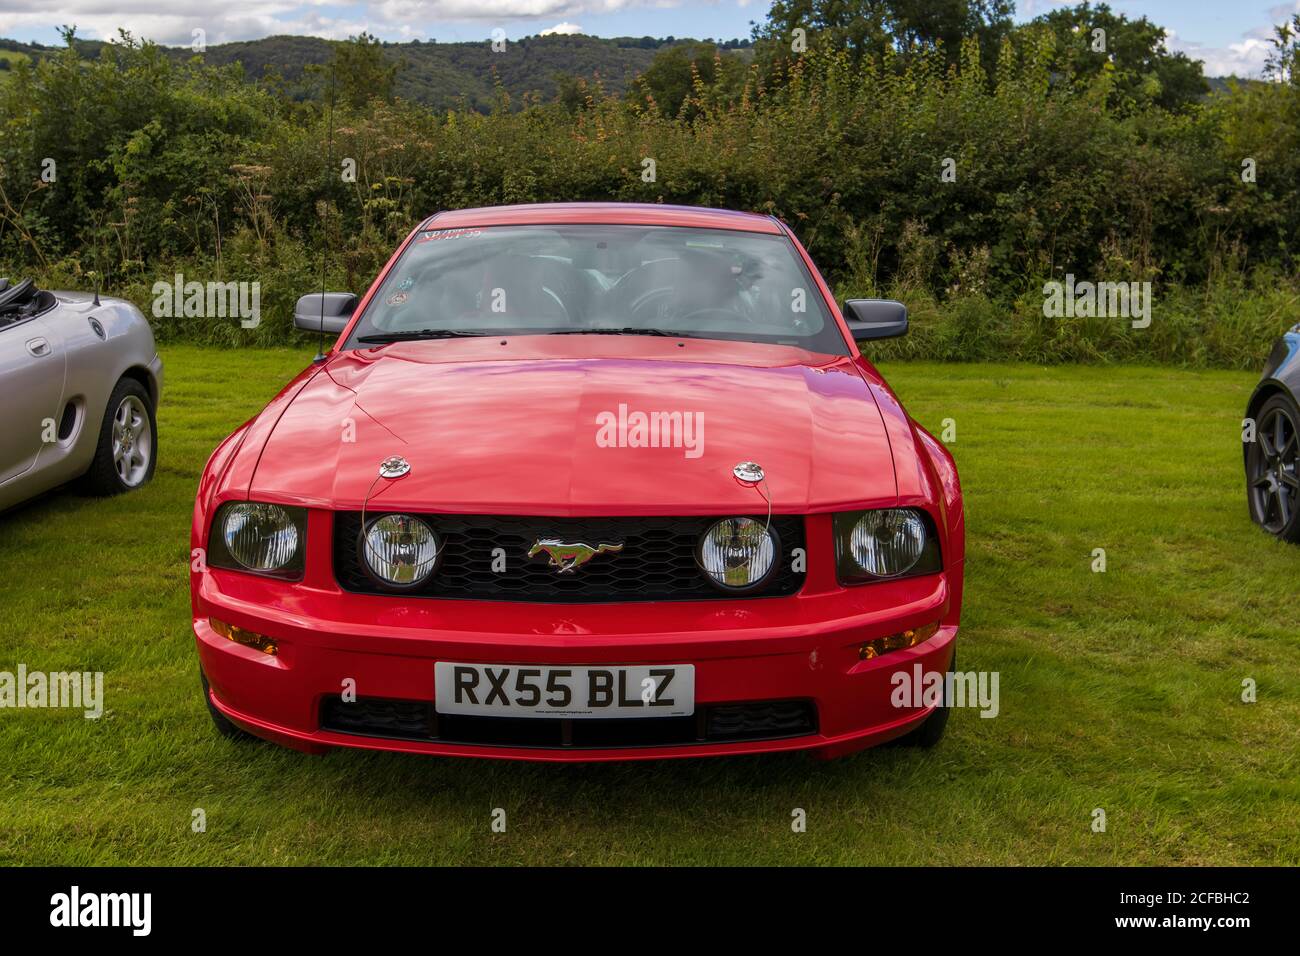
x=614, y=213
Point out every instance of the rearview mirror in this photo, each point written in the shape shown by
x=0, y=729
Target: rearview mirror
x=324, y=312
x=875, y=318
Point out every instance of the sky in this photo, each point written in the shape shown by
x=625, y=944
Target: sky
x=1230, y=36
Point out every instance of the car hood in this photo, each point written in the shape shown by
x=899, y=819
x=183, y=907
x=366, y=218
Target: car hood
x=548, y=426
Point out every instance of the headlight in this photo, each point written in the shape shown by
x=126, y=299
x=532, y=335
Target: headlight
x=885, y=544
x=259, y=537
x=400, y=550
x=738, y=554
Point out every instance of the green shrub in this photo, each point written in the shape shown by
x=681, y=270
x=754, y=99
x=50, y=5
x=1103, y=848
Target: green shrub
x=167, y=166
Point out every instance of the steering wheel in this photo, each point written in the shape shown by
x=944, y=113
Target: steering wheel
x=652, y=296
x=646, y=299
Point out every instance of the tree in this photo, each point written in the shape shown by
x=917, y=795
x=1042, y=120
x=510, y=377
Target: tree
x=362, y=71
x=871, y=27
x=571, y=91
x=670, y=79
x=1284, y=59
x=1133, y=51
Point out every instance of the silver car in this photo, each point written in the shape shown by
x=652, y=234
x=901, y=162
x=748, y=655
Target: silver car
x=80, y=379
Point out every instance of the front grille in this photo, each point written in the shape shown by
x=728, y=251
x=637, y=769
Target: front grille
x=657, y=562
x=761, y=720
x=376, y=717
x=712, y=723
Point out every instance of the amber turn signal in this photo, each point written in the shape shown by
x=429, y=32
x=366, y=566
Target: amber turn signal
x=258, y=642
x=883, y=645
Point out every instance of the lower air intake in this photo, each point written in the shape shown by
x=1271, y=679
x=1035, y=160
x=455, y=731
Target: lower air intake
x=714, y=723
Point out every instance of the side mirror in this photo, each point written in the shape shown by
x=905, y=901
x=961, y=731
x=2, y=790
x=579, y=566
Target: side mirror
x=336, y=307
x=875, y=318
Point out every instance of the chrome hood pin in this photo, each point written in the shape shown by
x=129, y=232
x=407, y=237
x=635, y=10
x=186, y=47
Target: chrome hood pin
x=394, y=466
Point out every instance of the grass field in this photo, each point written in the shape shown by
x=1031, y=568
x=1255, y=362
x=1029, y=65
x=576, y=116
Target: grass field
x=1119, y=690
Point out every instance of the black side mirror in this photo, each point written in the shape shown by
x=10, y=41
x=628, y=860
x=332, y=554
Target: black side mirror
x=335, y=307
x=875, y=318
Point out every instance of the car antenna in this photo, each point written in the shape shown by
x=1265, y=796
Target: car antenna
x=324, y=252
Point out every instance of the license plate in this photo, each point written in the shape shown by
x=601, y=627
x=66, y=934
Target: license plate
x=526, y=690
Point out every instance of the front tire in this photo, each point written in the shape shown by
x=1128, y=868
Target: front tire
x=220, y=721
x=1272, y=473
x=127, y=451
x=930, y=732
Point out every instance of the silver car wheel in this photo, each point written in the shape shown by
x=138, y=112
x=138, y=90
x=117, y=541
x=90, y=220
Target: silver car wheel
x=132, y=441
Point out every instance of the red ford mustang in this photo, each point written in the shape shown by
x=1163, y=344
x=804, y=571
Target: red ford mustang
x=582, y=482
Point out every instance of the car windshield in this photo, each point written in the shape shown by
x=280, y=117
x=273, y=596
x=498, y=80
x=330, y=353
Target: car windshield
x=600, y=279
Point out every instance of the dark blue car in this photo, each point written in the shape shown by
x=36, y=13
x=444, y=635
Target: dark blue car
x=1271, y=451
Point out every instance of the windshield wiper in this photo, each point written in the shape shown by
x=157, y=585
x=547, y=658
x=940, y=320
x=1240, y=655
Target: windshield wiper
x=381, y=338
x=624, y=331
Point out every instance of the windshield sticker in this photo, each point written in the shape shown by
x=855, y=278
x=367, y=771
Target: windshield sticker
x=435, y=235
x=405, y=284
x=398, y=298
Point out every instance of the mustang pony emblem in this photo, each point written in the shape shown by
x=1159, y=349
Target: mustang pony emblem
x=565, y=556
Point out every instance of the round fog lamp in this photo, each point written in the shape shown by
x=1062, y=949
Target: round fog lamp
x=738, y=554
x=400, y=550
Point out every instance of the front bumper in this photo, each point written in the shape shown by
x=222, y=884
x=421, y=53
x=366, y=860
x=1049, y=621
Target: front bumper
x=776, y=649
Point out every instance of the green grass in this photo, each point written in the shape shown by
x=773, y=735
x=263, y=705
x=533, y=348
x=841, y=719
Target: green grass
x=1118, y=690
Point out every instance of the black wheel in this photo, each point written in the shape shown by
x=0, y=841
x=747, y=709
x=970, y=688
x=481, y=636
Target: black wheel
x=127, y=452
x=930, y=732
x=219, y=720
x=1272, y=479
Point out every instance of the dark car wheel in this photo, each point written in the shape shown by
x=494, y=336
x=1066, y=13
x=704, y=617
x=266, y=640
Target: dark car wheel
x=931, y=730
x=220, y=720
x=1272, y=478
x=127, y=452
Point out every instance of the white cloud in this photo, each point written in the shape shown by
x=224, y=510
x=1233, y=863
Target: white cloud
x=497, y=11
x=1028, y=9
x=1244, y=58
x=173, y=21
x=562, y=29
